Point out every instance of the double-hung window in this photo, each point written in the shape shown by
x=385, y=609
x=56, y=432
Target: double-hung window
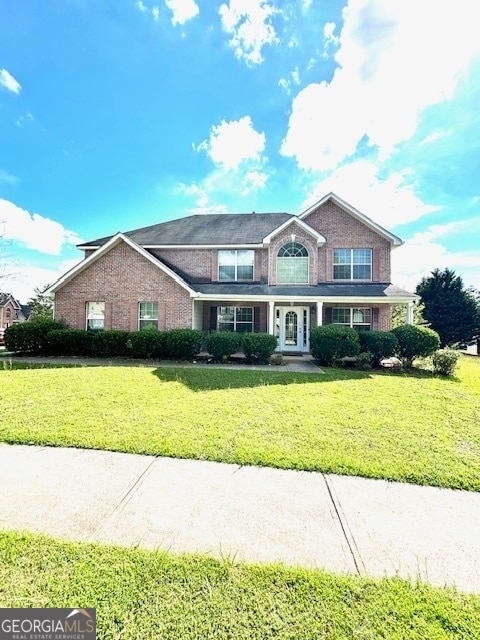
x=237, y=319
x=352, y=264
x=95, y=316
x=148, y=315
x=357, y=318
x=292, y=264
x=235, y=265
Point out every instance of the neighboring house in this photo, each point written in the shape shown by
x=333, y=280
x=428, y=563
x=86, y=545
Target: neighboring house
x=11, y=311
x=269, y=272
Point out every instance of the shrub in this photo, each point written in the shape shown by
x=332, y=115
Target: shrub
x=364, y=361
x=221, y=344
x=333, y=341
x=445, y=361
x=184, y=344
x=415, y=342
x=381, y=344
x=258, y=347
x=30, y=337
x=147, y=343
x=109, y=344
x=70, y=342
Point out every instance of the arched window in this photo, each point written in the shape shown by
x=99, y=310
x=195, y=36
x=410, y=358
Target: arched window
x=292, y=264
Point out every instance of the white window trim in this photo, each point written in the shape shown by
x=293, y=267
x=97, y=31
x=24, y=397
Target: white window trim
x=236, y=265
x=351, y=265
x=140, y=318
x=94, y=316
x=351, y=323
x=305, y=258
x=235, y=321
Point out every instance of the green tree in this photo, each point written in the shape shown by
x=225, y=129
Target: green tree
x=41, y=304
x=451, y=310
x=399, y=315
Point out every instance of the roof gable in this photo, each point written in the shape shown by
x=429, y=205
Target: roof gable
x=112, y=242
x=361, y=217
x=299, y=223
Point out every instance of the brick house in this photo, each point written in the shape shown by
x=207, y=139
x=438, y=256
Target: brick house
x=270, y=272
x=11, y=311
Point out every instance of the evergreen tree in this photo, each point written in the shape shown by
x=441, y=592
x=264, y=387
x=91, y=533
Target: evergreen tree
x=41, y=304
x=451, y=310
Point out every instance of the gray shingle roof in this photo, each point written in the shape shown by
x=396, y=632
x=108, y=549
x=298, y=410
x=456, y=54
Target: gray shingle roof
x=361, y=290
x=210, y=229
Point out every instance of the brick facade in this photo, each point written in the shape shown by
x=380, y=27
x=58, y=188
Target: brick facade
x=122, y=278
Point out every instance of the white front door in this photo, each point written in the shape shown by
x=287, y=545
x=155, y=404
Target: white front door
x=293, y=327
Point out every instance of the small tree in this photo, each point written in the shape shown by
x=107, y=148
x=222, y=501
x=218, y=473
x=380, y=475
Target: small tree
x=415, y=342
x=41, y=304
x=399, y=315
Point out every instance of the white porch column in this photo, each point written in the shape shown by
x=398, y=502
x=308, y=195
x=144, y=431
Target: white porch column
x=319, y=313
x=271, y=317
x=410, y=306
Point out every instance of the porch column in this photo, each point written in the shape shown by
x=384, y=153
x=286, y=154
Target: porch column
x=271, y=317
x=319, y=313
x=410, y=306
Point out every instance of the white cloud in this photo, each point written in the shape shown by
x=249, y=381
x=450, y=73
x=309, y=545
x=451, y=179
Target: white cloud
x=253, y=180
x=33, y=230
x=249, y=24
x=424, y=252
x=25, y=279
x=330, y=38
x=183, y=10
x=202, y=200
x=141, y=6
x=390, y=201
x=230, y=143
x=155, y=13
x=395, y=59
x=8, y=178
x=7, y=81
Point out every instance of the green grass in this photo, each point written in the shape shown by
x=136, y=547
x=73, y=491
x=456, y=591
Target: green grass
x=144, y=595
x=417, y=428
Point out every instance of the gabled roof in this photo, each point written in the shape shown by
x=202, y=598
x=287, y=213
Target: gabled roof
x=393, y=239
x=112, y=242
x=205, y=230
x=295, y=220
x=6, y=297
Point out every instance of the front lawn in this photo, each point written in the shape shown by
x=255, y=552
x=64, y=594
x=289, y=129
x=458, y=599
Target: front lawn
x=417, y=428
x=148, y=595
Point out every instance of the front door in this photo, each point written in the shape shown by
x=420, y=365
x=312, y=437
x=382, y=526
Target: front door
x=293, y=325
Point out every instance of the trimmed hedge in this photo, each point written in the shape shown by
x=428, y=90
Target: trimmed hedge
x=381, y=344
x=111, y=343
x=70, y=342
x=147, y=343
x=221, y=344
x=331, y=342
x=184, y=344
x=415, y=341
x=31, y=336
x=258, y=347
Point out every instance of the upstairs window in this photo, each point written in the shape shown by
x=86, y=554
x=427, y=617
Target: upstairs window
x=235, y=265
x=352, y=264
x=148, y=315
x=292, y=264
x=95, y=316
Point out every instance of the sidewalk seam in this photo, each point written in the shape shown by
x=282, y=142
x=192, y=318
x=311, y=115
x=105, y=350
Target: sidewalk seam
x=349, y=537
x=126, y=498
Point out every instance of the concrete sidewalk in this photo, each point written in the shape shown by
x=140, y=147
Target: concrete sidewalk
x=338, y=523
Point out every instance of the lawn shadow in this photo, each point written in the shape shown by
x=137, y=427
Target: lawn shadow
x=209, y=379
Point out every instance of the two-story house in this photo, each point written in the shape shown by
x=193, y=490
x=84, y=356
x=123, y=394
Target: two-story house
x=270, y=272
x=11, y=311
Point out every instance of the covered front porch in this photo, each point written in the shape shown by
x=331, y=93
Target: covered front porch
x=292, y=319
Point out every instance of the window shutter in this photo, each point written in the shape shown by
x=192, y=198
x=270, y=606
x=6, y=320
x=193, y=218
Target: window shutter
x=134, y=316
x=82, y=316
x=256, y=319
x=376, y=265
x=214, y=273
x=375, y=314
x=329, y=265
x=213, y=318
x=108, y=315
x=257, y=266
x=162, y=316
x=328, y=315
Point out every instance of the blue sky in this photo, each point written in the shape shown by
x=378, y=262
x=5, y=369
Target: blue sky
x=117, y=114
